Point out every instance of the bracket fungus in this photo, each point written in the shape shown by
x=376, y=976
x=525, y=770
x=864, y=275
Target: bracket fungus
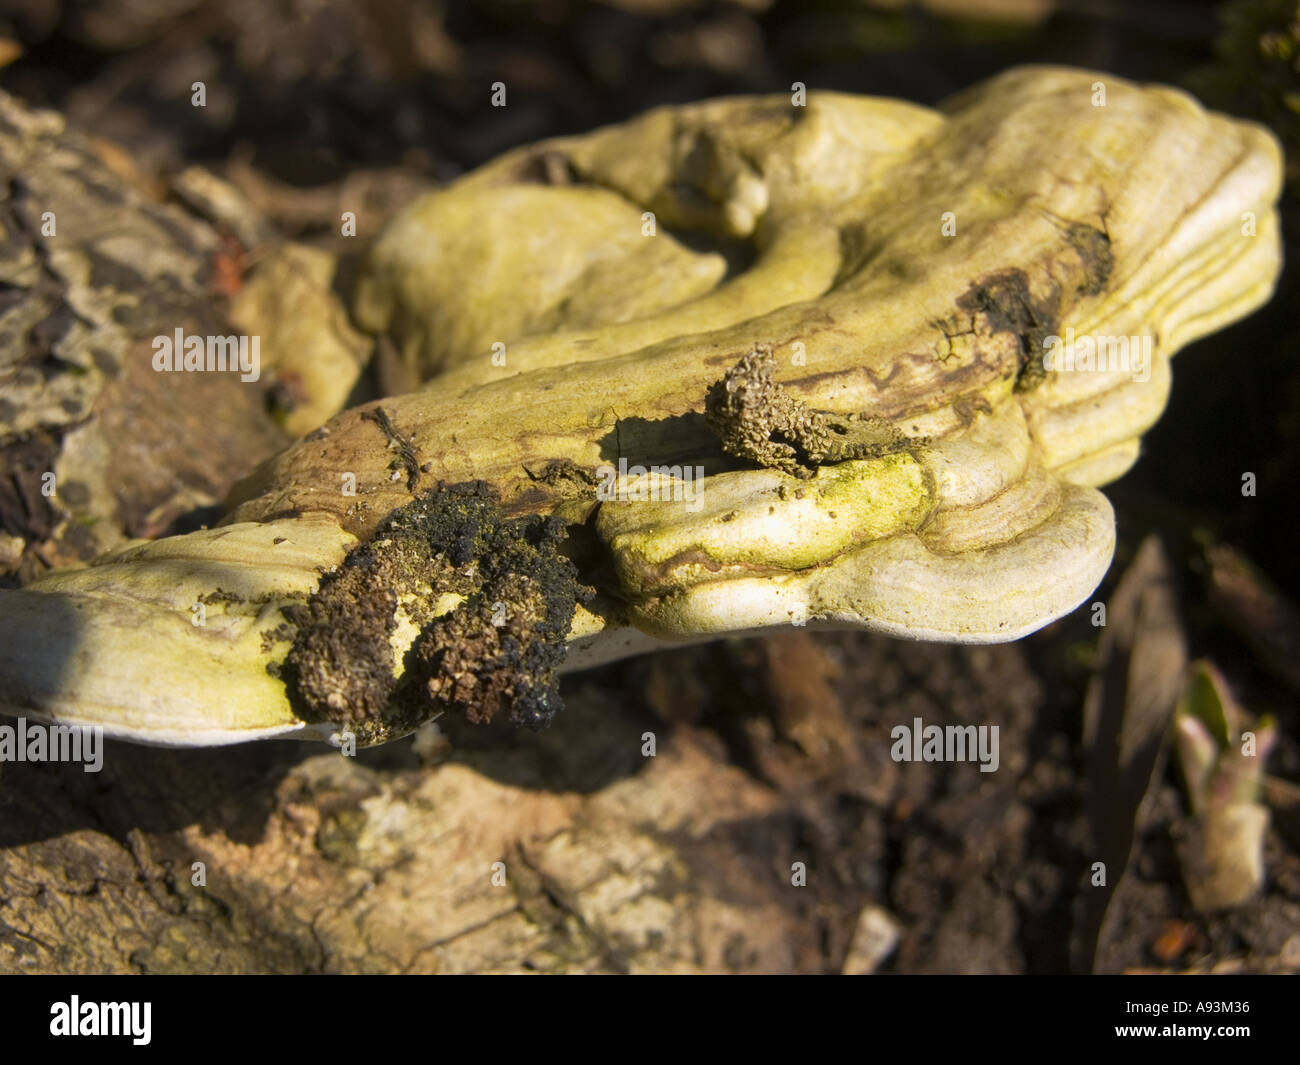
x=897, y=349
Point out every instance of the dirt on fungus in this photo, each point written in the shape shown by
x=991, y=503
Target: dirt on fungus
x=1006, y=303
x=758, y=419
x=497, y=650
x=1093, y=246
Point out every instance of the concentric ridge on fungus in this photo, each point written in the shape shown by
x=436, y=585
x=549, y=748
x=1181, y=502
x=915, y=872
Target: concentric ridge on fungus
x=378, y=652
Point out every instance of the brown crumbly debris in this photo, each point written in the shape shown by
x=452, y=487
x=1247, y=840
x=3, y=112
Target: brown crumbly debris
x=499, y=649
x=491, y=656
x=757, y=419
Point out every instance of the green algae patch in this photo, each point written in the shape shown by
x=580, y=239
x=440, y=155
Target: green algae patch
x=759, y=522
x=449, y=607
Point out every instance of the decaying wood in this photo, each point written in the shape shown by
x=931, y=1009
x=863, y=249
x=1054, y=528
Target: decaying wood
x=95, y=447
x=324, y=864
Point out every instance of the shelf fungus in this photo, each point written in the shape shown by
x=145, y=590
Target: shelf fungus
x=855, y=363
